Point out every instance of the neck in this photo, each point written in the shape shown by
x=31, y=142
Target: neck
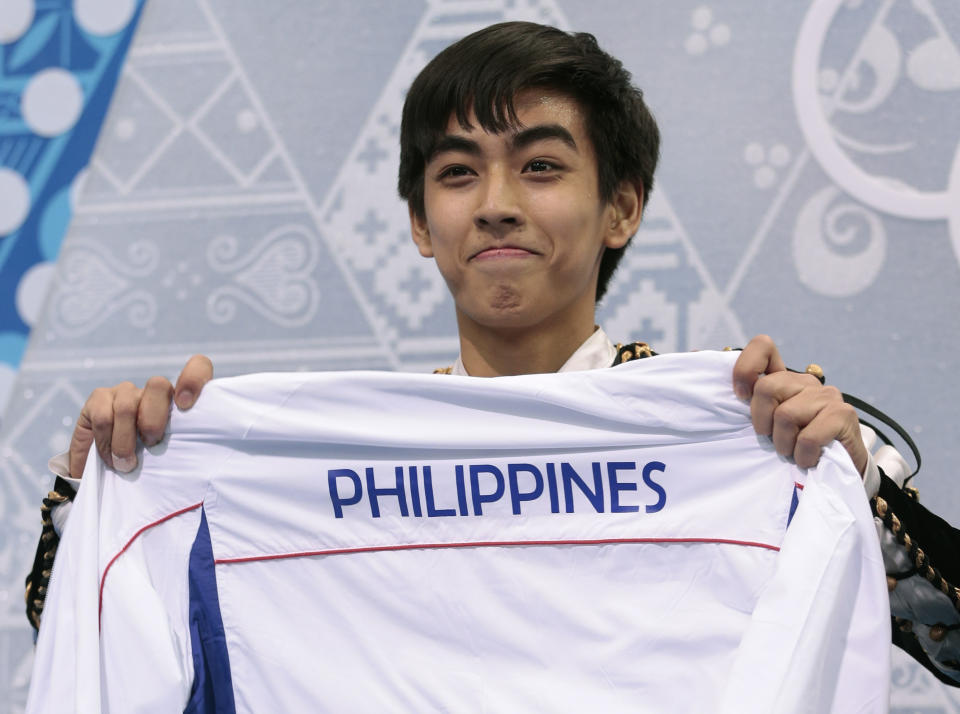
x=500, y=352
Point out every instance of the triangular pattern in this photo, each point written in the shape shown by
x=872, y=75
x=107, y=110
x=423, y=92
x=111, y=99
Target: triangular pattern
x=242, y=215
x=663, y=292
x=183, y=102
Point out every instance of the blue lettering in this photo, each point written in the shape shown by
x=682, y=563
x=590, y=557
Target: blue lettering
x=616, y=487
x=399, y=491
x=432, y=510
x=570, y=476
x=335, y=498
x=662, y=495
x=489, y=484
x=414, y=489
x=480, y=498
x=516, y=495
x=461, y=490
x=552, y=488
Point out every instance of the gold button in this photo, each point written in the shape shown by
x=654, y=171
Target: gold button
x=904, y=625
x=938, y=632
x=815, y=369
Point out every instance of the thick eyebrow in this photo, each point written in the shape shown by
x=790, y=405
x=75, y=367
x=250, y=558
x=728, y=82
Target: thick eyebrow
x=542, y=132
x=521, y=140
x=451, y=142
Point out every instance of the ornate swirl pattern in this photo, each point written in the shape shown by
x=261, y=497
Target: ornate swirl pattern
x=837, y=251
x=94, y=284
x=274, y=278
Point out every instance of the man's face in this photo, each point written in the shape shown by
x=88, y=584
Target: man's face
x=514, y=220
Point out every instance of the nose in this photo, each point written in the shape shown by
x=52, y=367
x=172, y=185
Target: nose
x=499, y=207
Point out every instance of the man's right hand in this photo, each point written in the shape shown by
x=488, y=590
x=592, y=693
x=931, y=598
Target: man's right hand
x=113, y=416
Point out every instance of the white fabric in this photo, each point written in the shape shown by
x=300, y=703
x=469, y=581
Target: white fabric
x=596, y=352
x=572, y=627
x=893, y=464
x=871, y=474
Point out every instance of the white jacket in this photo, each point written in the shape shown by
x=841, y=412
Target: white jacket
x=613, y=540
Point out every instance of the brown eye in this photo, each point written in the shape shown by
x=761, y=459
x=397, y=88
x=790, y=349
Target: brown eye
x=455, y=172
x=540, y=165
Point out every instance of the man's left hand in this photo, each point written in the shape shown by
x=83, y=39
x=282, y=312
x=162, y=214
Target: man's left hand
x=795, y=410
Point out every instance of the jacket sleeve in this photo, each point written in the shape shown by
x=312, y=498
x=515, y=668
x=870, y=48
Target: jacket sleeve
x=115, y=644
x=38, y=579
x=921, y=553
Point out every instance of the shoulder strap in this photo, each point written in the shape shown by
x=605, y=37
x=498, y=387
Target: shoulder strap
x=875, y=413
x=872, y=411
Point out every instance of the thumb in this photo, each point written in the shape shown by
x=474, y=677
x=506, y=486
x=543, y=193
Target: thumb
x=196, y=373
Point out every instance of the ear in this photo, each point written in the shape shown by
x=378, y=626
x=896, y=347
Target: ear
x=626, y=212
x=420, y=233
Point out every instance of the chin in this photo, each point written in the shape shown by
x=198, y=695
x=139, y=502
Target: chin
x=506, y=299
x=500, y=303
x=502, y=315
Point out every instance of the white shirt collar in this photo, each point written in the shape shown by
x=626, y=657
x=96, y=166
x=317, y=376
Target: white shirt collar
x=596, y=351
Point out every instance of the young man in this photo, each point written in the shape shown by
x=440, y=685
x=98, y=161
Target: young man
x=527, y=158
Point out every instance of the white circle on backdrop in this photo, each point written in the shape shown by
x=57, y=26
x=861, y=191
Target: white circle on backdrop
x=753, y=154
x=779, y=155
x=16, y=200
x=32, y=291
x=764, y=177
x=125, y=129
x=701, y=17
x=16, y=17
x=696, y=44
x=246, y=121
x=720, y=34
x=51, y=102
x=103, y=17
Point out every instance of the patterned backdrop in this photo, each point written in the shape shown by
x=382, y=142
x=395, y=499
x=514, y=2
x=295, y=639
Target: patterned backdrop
x=240, y=202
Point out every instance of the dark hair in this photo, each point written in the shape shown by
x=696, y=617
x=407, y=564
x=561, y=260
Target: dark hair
x=487, y=69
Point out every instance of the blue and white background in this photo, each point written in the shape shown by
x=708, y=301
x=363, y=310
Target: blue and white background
x=239, y=201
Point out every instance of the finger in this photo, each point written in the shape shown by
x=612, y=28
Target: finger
x=836, y=421
x=792, y=433
x=196, y=373
x=123, y=442
x=98, y=413
x=80, y=444
x=771, y=392
x=154, y=410
x=759, y=357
